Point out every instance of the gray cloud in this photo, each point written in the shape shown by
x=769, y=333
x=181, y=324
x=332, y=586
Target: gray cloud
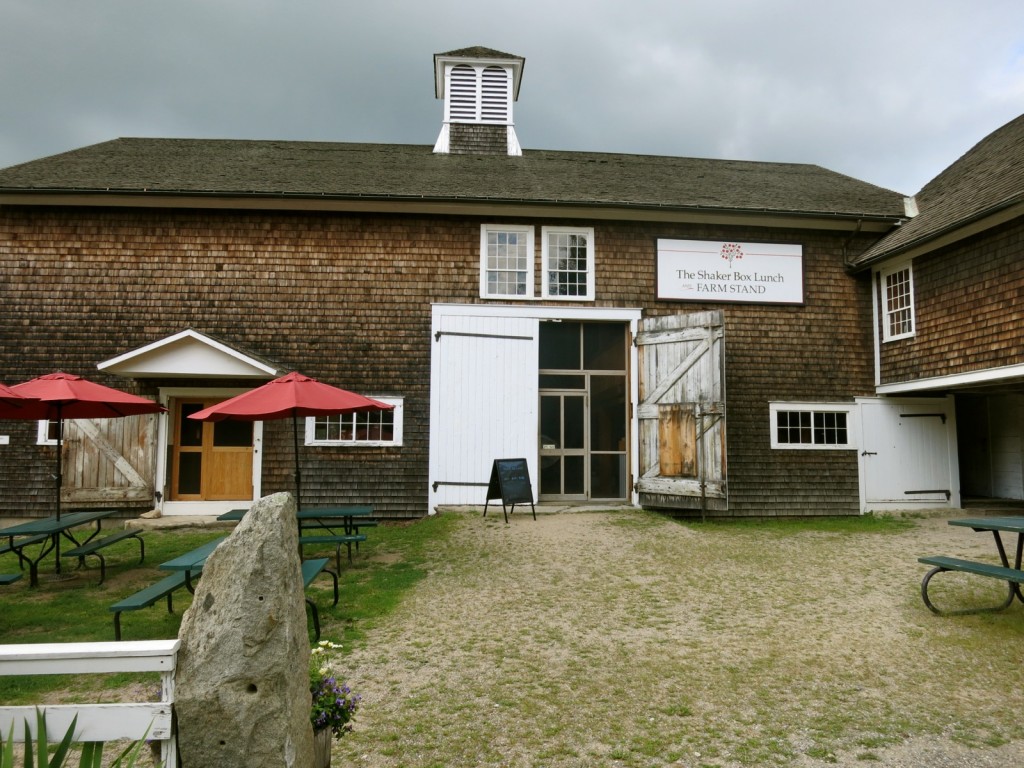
x=888, y=92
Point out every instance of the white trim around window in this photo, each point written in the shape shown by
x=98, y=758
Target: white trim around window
x=47, y=431
x=897, y=285
x=365, y=430
x=506, y=261
x=814, y=426
x=567, y=263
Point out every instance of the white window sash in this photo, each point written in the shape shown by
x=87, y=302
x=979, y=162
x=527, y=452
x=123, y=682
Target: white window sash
x=398, y=415
x=43, y=434
x=887, y=313
x=852, y=427
x=525, y=231
x=546, y=268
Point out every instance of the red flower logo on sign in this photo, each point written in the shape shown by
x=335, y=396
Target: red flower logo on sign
x=731, y=252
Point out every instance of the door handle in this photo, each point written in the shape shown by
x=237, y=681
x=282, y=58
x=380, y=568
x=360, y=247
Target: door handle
x=869, y=453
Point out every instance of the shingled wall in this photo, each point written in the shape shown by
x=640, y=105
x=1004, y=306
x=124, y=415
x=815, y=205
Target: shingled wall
x=963, y=297
x=346, y=298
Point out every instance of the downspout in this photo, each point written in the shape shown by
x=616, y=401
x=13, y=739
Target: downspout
x=876, y=288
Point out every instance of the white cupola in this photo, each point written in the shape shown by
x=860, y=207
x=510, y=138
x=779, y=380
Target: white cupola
x=479, y=86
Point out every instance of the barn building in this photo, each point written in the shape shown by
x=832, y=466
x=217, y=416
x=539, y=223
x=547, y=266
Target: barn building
x=701, y=336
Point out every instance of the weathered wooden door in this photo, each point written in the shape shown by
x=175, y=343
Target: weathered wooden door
x=108, y=461
x=681, y=413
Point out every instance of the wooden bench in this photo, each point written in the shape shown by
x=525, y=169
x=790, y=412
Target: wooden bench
x=310, y=570
x=146, y=597
x=1012, y=576
x=9, y=578
x=337, y=540
x=93, y=548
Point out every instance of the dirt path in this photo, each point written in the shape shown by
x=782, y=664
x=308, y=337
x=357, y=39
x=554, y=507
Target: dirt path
x=625, y=639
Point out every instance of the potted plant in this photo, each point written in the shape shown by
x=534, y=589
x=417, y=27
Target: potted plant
x=334, y=704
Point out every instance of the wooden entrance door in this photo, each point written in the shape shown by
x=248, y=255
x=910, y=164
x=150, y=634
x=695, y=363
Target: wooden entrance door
x=210, y=461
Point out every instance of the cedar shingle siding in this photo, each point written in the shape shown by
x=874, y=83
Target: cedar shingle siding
x=327, y=257
x=968, y=310
x=346, y=298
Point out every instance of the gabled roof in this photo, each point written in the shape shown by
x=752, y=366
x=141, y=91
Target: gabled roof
x=983, y=188
x=479, y=54
x=146, y=170
x=190, y=354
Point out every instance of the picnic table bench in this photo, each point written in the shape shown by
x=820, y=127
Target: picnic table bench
x=185, y=568
x=335, y=539
x=15, y=545
x=310, y=570
x=146, y=597
x=1013, y=575
x=335, y=526
x=9, y=578
x=48, y=532
x=94, y=546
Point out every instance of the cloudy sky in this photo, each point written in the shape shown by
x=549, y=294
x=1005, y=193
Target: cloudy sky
x=888, y=91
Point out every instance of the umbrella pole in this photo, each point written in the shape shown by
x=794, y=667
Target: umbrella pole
x=298, y=476
x=59, y=479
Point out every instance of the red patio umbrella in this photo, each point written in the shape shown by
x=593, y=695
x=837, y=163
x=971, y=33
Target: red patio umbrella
x=15, y=406
x=291, y=395
x=66, y=396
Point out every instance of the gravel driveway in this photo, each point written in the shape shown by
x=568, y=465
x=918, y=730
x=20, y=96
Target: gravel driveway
x=623, y=638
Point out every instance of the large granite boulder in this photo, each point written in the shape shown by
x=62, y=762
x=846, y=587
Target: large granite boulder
x=242, y=683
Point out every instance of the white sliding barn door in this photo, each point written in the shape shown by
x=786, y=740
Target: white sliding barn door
x=682, y=412
x=483, y=402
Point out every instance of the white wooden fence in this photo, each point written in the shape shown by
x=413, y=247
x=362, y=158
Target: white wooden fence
x=97, y=722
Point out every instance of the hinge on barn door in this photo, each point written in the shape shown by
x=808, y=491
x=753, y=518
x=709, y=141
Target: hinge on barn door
x=924, y=416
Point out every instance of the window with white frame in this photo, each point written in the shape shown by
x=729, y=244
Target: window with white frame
x=48, y=432
x=567, y=258
x=898, y=303
x=375, y=428
x=506, y=262
x=817, y=425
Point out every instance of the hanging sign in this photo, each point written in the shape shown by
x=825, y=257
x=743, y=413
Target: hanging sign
x=711, y=270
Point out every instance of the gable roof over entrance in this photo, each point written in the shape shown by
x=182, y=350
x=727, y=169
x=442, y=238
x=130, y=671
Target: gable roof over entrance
x=190, y=354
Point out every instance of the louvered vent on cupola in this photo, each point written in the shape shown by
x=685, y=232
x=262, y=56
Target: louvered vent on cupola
x=479, y=86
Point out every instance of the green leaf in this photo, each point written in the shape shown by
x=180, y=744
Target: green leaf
x=62, y=749
x=7, y=750
x=92, y=755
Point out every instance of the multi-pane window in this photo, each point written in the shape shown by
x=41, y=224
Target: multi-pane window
x=506, y=262
x=568, y=263
x=372, y=428
x=798, y=427
x=898, y=294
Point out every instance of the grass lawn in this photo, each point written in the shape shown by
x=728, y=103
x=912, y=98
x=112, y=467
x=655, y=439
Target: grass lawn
x=77, y=609
x=620, y=638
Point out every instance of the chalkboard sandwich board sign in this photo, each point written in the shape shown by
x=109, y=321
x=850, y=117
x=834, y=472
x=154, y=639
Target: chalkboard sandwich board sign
x=510, y=482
